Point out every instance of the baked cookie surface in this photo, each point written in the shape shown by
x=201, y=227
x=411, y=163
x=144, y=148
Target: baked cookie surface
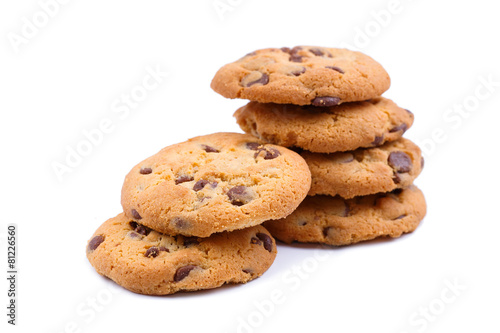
x=147, y=262
x=303, y=75
x=213, y=183
x=326, y=130
x=335, y=221
x=365, y=171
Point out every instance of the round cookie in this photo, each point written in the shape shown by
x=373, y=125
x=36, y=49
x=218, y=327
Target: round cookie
x=335, y=221
x=303, y=75
x=147, y=262
x=366, y=170
x=213, y=183
x=326, y=130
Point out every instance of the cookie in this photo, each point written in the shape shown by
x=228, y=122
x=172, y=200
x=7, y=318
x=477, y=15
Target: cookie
x=366, y=170
x=335, y=221
x=213, y=183
x=303, y=75
x=147, y=262
x=326, y=130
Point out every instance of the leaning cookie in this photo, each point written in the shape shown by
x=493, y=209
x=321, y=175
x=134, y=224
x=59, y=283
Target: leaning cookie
x=303, y=75
x=326, y=130
x=365, y=171
x=213, y=183
x=147, y=262
x=335, y=221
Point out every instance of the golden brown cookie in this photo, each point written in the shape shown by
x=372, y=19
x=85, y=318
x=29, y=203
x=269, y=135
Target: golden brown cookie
x=213, y=183
x=335, y=221
x=303, y=75
x=147, y=262
x=366, y=170
x=326, y=130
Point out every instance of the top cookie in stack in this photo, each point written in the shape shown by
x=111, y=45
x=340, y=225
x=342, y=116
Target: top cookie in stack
x=327, y=103
x=303, y=75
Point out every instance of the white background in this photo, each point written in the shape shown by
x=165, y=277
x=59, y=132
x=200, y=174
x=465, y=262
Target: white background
x=67, y=76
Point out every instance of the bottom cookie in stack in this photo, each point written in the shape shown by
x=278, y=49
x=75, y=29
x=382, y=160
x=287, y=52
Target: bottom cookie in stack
x=336, y=221
x=148, y=262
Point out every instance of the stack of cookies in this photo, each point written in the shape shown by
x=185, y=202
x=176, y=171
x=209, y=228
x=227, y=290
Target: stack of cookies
x=192, y=213
x=326, y=104
x=195, y=214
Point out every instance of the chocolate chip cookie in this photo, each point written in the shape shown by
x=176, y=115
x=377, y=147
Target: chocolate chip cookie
x=336, y=221
x=303, y=75
x=365, y=171
x=147, y=262
x=213, y=183
x=326, y=130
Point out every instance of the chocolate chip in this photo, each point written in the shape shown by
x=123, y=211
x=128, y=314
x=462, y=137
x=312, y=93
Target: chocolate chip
x=135, y=214
x=325, y=101
x=295, y=58
x=95, y=242
x=403, y=127
x=285, y=49
x=302, y=223
x=152, y=252
x=139, y=228
x=297, y=72
x=378, y=140
x=263, y=80
x=266, y=240
x=411, y=113
x=247, y=270
x=251, y=54
x=183, y=179
x=271, y=153
x=317, y=52
x=240, y=195
x=200, y=184
x=326, y=231
x=145, y=171
x=296, y=49
x=134, y=235
x=209, y=149
x=182, y=272
x=253, y=145
x=400, y=161
x=400, y=217
x=163, y=248
x=335, y=68
x=191, y=241
x=143, y=230
x=422, y=162
x=180, y=223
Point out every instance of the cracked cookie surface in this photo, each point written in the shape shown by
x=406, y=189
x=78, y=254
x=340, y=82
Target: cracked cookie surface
x=336, y=221
x=213, y=183
x=148, y=262
x=326, y=130
x=365, y=171
x=303, y=75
